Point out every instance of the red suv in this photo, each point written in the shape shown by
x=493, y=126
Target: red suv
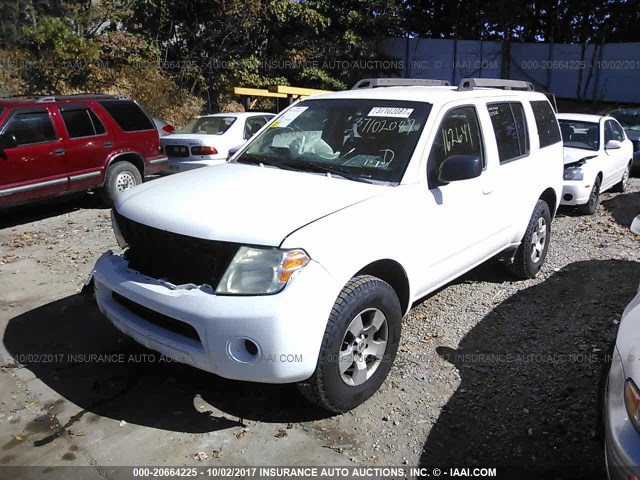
x=55, y=145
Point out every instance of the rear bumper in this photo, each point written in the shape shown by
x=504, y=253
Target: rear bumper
x=287, y=328
x=179, y=164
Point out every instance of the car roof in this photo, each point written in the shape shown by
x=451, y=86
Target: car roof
x=580, y=117
x=237, y=114
x=430, y=94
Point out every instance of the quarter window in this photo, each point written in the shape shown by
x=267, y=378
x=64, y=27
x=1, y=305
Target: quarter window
x=81, y=122
x=614, y=131
x=510, y=128
x=459, y=134
x=128, y=115
x=547, y=124
x=31, y=127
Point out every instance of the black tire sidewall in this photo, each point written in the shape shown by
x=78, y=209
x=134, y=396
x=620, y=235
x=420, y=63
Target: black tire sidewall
x=541, y=210
x=381, y=296
x=112, y=174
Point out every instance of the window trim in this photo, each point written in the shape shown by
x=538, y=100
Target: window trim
x=526, y=129
x=432, y=183
x=75, y=108
x=17, y=111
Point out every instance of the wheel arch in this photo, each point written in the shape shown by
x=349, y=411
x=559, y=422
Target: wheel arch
x=395, y=275
x=550, y=198
x=132, y=157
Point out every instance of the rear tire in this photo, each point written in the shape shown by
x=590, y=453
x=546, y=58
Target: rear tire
x=621, y=186
x=533, y=248
x=591, y=206
x=359, y=345
x=120, y=176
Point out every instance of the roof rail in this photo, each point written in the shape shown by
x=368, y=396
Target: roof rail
x=79, y=96
x=472, y=83
x=399, y=82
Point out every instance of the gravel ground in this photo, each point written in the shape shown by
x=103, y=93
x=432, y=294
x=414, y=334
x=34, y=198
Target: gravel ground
x=490, y=372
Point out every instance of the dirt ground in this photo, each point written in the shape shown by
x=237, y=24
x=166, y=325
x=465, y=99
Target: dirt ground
x=490, y=372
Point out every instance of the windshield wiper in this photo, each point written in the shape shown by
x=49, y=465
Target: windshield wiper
x=331, y=170
x=252, y=159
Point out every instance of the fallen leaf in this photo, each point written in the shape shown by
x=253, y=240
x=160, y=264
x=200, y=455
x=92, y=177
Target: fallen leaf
x=240, y=434
x=200, y=456
x=77, y=433
x=18, y=438
x=216, y=453
x=281, y=433
x=289, y=426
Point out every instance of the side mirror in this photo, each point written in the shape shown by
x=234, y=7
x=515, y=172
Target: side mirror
x=613, y=145
x=459, y=167
x=232, y=151
x=7, y=141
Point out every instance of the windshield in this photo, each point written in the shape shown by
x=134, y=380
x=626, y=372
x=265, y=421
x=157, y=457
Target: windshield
x=584, y=135
x=628, y=117
x=362, y=140
x=208, y=125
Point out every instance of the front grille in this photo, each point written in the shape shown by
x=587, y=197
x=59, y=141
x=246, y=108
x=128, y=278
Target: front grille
x=176, y=258
x=177, y=150
x=158, y=319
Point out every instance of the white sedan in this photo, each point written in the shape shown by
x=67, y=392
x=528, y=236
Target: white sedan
x=597, y=157
x=622, y=399
x=207, y=140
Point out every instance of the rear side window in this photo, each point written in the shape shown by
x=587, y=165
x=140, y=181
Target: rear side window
x=81, y=122
x=546, y=122
x=128, y=115
x=34, y=126
x=510, y=128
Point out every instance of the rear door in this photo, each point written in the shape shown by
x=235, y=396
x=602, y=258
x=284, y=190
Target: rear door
x=87, y=145
x=36, y=168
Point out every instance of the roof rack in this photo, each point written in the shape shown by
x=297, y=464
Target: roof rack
x=399, y=82
x=79, y=96
x=472, y=83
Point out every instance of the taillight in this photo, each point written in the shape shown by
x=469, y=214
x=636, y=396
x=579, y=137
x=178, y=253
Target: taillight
x=168, y=128
x=203, y=150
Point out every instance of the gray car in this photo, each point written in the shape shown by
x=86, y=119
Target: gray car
x=629, y=118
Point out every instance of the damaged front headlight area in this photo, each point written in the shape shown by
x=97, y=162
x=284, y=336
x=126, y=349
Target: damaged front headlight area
x=261, y=271
x=572, y=172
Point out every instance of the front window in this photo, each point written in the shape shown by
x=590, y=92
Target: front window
x=583, y=135
x=208, y=125
x=629, y=118
x=363, y=140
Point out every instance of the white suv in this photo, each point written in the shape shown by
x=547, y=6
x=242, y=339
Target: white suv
x=297, y=260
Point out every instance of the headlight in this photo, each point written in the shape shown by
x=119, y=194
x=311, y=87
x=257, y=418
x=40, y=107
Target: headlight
x=573, y=173
x=260, y=271
x=632, y=401
x=116, y=231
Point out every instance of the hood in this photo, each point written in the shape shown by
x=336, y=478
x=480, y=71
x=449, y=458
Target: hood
x=573, y=155
x=240, y=203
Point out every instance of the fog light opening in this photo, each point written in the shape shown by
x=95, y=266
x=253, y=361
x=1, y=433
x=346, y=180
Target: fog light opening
x=251, y=347
x=567, y=197
x=243, y=350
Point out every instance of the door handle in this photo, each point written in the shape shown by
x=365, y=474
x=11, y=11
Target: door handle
x=58, y=151
x=107, y=144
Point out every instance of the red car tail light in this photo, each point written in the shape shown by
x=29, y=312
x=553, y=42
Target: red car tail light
x=168, y=128
x=204, y=150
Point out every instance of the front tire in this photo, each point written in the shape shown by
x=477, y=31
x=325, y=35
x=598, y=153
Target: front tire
x=359, y=345
x=533, y=248
x=591, y=206
x=120, y=176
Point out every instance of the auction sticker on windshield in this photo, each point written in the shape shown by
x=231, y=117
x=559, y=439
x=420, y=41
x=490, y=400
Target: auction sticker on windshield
x=390, y=112
x=290, y=116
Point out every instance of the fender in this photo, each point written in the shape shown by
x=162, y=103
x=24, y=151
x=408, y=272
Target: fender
x=114, y=155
